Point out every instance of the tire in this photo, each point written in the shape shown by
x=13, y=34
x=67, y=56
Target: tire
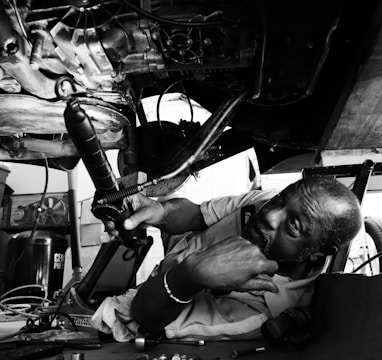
x=373, y=226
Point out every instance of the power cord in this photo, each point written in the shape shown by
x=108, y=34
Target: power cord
x=35, y=223
x=181, y=82
x=58, y=312
x=11, y=308
x=31, y=325
x=368, y=261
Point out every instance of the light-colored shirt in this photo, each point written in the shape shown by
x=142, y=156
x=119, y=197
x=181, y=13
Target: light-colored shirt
x=237, y=315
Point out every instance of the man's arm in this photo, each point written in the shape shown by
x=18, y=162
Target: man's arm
x=153, y=309
x=179, y=216
x=175, y=216
x=233, y=264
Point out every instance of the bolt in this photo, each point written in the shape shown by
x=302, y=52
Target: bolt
x=207, y=41
x=80, y=70
x=78, y=356
x=155, y=35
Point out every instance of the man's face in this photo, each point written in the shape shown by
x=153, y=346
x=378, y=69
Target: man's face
x=288, y=228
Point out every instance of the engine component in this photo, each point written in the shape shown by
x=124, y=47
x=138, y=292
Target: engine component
x=101, y=43
x=35, y=114
x=8, y=39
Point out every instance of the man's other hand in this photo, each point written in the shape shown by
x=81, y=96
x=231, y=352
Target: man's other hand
x=234, y=264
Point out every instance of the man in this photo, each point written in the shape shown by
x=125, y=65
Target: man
x=222, y=278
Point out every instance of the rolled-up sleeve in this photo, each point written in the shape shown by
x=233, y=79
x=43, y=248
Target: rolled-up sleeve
x=216, y=209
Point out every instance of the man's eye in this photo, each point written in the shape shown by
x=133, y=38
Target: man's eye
x=294, y=225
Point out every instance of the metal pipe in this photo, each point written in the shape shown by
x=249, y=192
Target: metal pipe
x=324, y=54
x=38, y=38
x=210, y=130
x=362, y=179
x=74, y=226
x=49, y=148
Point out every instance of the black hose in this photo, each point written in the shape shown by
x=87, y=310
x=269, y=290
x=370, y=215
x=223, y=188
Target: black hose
x=171, y=22
x=84, y=137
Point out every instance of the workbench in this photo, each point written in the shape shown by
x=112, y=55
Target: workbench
x=219, y=350
x=326, y=347
x=210, y=351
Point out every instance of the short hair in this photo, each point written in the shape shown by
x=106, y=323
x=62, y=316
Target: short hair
x=338, y=228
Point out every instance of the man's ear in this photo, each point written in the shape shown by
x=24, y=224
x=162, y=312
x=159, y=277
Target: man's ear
x=326, y=250
x=329, y=249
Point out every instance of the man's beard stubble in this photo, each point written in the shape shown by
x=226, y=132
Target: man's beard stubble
x=258, y=236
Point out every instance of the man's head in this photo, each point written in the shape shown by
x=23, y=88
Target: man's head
x=309, y=219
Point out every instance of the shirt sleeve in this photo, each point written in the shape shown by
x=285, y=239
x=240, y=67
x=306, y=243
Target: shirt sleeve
x=220, y=317
x=216, y=209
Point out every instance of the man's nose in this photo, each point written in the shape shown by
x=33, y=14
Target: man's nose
x=274, y=218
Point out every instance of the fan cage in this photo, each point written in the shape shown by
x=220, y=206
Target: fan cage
x=20, y=211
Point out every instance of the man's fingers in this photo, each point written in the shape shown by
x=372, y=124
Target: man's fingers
x=110, y=228
x=262, y=282
x=135, y=219
x=138, y=200
x=109, y=225
x=266, y=266
x=263, y=278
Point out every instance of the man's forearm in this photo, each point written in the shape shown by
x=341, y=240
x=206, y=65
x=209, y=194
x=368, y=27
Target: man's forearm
x=154, y=306
x=180, y=216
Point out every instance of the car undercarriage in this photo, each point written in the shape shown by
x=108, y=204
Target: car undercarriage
x=286, y=78
x=273, y=75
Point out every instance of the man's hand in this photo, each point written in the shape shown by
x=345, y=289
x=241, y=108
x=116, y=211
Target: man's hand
x=146, y=212
x=174, y=216
x=234, y=264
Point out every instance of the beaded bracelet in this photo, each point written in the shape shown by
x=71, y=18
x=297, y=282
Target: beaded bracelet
x=170, y=294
